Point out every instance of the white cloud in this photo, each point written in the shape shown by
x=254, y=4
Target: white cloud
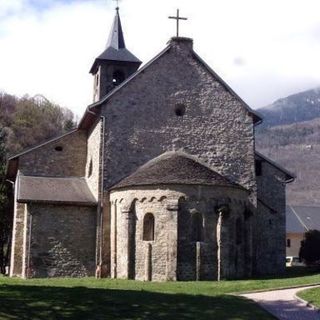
x=49, y=48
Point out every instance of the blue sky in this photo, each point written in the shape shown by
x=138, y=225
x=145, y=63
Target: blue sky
x=263, y=49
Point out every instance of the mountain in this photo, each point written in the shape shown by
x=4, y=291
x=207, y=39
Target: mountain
x=290, y=135
x=298, y=107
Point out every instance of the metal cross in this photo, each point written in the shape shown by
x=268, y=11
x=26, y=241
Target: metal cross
x=178, y=18
x=117, y=1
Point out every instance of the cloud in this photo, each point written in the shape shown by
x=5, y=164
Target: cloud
x=263, y=49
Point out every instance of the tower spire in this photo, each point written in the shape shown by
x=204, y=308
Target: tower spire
x=115, y=63
x=116, y=39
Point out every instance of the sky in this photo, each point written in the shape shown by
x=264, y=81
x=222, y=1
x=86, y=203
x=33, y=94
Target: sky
x=264, y=50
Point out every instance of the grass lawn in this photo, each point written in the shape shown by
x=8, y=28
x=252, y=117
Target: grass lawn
x=311, y=295
x=90, y=298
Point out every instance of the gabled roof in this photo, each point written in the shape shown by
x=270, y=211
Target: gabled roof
x=257, y=118
x=71, y=190
x=300, y=219
x=115, y=49
x=289, y=175
x=12, y=164
x=174, y=168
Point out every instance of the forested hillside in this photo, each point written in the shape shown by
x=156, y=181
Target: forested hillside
x=290, y=138
x=24, y=122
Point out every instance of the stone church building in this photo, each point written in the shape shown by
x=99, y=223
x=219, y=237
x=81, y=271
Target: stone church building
x=159, y=181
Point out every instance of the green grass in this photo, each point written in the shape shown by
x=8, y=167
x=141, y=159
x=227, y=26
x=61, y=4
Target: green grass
x=90, y=298
x=311, y=295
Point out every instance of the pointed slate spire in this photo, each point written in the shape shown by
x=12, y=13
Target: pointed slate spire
x=115, y=49
x=116, y=39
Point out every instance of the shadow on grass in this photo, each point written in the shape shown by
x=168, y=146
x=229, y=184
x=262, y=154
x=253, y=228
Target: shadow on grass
x=34, y=302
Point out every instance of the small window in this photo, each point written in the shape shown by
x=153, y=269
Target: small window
x=239, y=231
x=288, y=243
x=148, y=227
x=180, y=109
x=90, y=168
x=258, y=168
x=197, y=227
x=58, y=148
x=118, y=77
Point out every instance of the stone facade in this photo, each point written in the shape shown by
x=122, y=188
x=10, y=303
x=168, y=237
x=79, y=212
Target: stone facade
x=270, y=220
x=174, y=254
x=141, y=120
x=93, y=162
x=200, y=231
x=57, y=158
x=60, y=241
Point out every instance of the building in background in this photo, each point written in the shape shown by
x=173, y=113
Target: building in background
x=299, y=220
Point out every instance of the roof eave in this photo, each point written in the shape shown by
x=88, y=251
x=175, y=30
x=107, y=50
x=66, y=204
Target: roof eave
x=57, y=202
x=234, y=186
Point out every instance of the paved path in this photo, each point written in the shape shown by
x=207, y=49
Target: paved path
x=283, y=304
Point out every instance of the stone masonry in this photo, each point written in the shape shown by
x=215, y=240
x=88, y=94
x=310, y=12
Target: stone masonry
x=219, y=215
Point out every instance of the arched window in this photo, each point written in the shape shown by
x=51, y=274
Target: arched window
x=118, y=77
x=239, y=231
x=197, y=227
x=148, y=227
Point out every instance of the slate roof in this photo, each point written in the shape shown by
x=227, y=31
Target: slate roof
x=300, y=219
x=174, y=168
x=116, y=49
x=54, y=190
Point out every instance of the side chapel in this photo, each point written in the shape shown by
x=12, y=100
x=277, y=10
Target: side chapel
x=159, y=181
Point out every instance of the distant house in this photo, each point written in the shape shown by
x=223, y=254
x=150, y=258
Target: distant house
x=300, y=219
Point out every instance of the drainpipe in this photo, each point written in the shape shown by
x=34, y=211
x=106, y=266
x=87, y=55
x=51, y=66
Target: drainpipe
x=101, y=188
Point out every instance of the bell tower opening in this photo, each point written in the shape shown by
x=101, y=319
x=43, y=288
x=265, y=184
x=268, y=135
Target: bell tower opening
x=118, y=77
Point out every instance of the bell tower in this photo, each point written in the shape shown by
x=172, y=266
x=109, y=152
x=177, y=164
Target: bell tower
x=114, y=64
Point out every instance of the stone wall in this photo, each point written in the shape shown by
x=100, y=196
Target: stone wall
x=17, y=246
x=141, y=120
x=270, y=224
x=173, y=255
x=104, y=77
x=45, y=160
x=93, y=167
x=62, y=241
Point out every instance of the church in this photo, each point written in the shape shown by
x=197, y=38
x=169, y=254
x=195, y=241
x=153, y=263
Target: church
x=160, y=181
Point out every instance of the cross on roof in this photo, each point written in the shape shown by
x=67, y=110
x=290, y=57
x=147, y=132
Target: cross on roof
x=178, y=18
x=117, y=1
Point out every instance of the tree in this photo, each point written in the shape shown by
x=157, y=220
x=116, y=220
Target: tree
x=310, y=248
x=24, y=122
x=5, y=212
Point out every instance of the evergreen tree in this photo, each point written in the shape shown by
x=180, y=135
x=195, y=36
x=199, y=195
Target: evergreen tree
x=310, y=249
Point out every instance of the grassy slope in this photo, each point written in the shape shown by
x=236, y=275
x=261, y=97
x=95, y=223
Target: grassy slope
x=90, y=298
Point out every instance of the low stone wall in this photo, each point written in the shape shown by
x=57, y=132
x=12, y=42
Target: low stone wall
x=61, y=241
